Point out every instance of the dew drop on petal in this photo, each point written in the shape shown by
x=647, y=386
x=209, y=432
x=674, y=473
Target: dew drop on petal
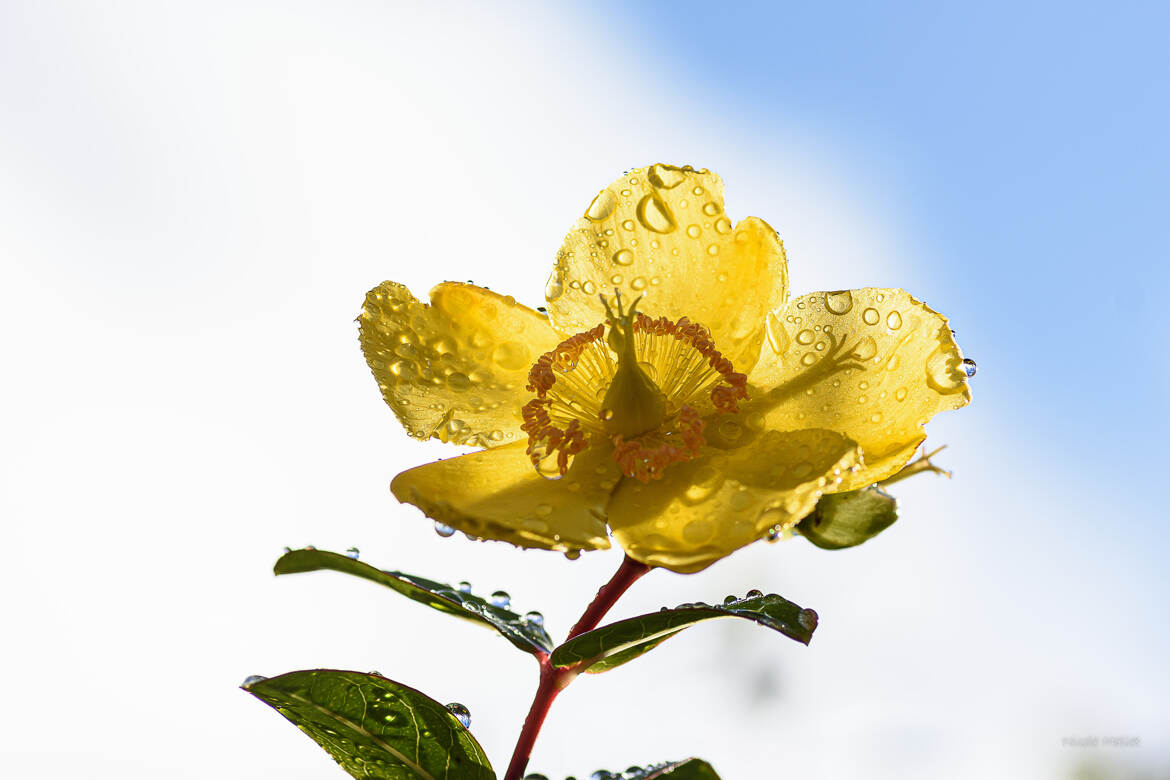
x=894, y=320
x=870, y=316
x=443, y=530
x=777, y=335
x=623, y=257
x=655, y=214
x=969, y=367
x=602, y=206
x=253, y=679
x=501, y=599
x=839, y=302
x=461, y=713
x=353, y=553
x=554, y=288
x=753, y=594
x=534, y=618
x=464, y=587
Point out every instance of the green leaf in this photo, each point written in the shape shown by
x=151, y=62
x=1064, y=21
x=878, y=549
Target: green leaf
x=375, y=727
x=687, y=769
x=610, y=646
x=526, y=635
x=847, y=519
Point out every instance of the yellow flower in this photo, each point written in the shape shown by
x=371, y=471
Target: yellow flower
x=673, y=390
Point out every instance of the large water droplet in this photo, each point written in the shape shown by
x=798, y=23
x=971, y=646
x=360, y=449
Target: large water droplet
x=969, y=367
x=623, y=257
x=464, y=587
x=943, y=372
x=534, y=618
x=839, y=302
x=777, y=335
x=865, y=349
x=353, y=552
x=602, y=206
x=554, y=288
x=871, y=316
x=461, y=713
x=753, y=594
x=444, y=531
x=655, y=214
x=665, y=177
x=501, y=599
x=894, y=320
x=253, y=679
x=804, y=337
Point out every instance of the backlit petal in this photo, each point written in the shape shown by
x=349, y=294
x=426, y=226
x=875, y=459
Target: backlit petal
x=706, y=509
x=454, y=369
x=660, y=232
x=497, y=494
x=873, y=364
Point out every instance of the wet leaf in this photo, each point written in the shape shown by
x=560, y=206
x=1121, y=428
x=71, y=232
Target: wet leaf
x=843, y=520
x=374, y=727
x=526, y=635
x=610, y=646
x=687, y=769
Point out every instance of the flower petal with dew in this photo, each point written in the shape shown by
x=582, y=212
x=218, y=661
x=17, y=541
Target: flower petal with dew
x=661, y=233
x=874, y=364
x=673, y=391
x=706, y=509
x=455, y=369
x=496, y=494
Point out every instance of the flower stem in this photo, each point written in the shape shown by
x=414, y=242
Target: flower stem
x=553, y=680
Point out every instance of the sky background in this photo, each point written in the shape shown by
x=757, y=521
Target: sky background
x=194, y=198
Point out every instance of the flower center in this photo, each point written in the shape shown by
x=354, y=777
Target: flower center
x=644, y=384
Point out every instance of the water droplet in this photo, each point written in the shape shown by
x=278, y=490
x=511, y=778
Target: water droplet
x=501, y=599
x=464, y=587
x=730, y=430
x=773, y=534
x=808, y=359
x=628, y=224
x=310, y=547
x=511, y=355
x=865, y=349
x=623, y=257
x=871, y=316
x=900, y=394
x=535, y=776
x=655, y=214
x=638, y=283
x=694, y=231
x=698, y=531
x=553, y=288
x=713, y=249
x=894, y=320
x=710, y=209
x=723, y=225
x=753, y=594
x=253, y=679
x=287, y=550
x=969, y=367
x=943, y=372
x=665, y=177
x=444, y=531
x=839, y=302
x=777, y=336
x=353, y=552
x=534, y=618
x=602, y=206
x=589, y=288
x=804, y=337
x=461, y=713
x=572, y=555
x=730, y=599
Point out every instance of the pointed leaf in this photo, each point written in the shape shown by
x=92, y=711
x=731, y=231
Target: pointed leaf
x=610, y=646
x=374, y=727
x=527, y=636
x=843, y=520
x=687, y=769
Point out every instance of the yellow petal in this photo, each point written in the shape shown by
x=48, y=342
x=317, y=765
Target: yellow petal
x=497, y=494
x=708, y=508
x=454, y=369
x=873, y=364
x=660, y=232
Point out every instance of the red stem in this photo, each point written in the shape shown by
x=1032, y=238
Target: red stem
x=553, y=680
